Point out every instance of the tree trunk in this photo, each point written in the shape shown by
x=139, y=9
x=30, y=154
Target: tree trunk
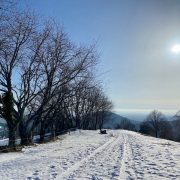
x=78, y=122
x=156, y=134
x=7, y=111
x=42, y=132
x=53, y=132
x=96, y=121
x=12, y=138
x=26, y=139
x=25, y=135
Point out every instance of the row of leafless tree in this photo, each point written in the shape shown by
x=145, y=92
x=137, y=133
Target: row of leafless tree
x=46, y=82
x=157, y=125
x=176, y=127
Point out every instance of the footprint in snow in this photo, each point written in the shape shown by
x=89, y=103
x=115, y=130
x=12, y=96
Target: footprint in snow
x=114, y=174
x=36, y=178
x=35, y=174
x=54, y=175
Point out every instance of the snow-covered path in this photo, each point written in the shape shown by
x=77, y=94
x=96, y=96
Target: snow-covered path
x=89, y=155
x=103, y=162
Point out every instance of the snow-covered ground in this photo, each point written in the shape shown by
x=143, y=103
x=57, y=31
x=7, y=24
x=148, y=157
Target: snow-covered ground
x=89, y=155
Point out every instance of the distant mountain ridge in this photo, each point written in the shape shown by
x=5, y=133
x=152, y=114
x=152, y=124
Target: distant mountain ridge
x=114, y=121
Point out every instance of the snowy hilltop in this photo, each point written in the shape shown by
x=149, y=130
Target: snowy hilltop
x=83, y=155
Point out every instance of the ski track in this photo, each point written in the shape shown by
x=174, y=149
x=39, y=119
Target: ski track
x=87, y=159
x=127, y=164
x=46, y=161
x=129, y=158
x=122, y=155
x=111, y=161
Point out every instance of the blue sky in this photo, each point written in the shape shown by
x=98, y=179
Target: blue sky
x=134, y=38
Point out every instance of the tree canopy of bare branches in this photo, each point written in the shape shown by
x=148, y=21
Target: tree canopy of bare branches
x=46, y=82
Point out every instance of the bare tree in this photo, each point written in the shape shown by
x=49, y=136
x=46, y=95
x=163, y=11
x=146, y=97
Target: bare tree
x=153, y=123
x=166, y=131
x=60, y=63
x=28, y=89
x=105, y=107
x=176, y=127
x=15, y=36
x=45, y=80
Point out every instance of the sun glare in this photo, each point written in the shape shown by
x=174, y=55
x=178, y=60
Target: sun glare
x=176, y=48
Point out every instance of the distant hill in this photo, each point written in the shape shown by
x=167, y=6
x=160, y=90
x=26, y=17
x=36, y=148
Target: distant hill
x=114, y=121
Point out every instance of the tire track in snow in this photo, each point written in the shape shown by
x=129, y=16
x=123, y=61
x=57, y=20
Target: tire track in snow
x=127, y=164
x=122, y=168
x=73, y=168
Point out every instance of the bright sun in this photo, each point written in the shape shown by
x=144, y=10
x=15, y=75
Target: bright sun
x=176, y=48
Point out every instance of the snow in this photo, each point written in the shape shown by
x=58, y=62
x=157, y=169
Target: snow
x=3, y=121
x=90, y=155
x=4, y=142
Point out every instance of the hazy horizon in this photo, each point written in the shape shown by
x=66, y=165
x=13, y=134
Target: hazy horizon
x=141, y=114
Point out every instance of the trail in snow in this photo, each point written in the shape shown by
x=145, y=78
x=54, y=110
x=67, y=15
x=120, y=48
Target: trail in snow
x=112, y=161
x=127, y=164
x=98, y=164
x=86, y=160
x=46, y=161
x=123, y=158
x=89, y=155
